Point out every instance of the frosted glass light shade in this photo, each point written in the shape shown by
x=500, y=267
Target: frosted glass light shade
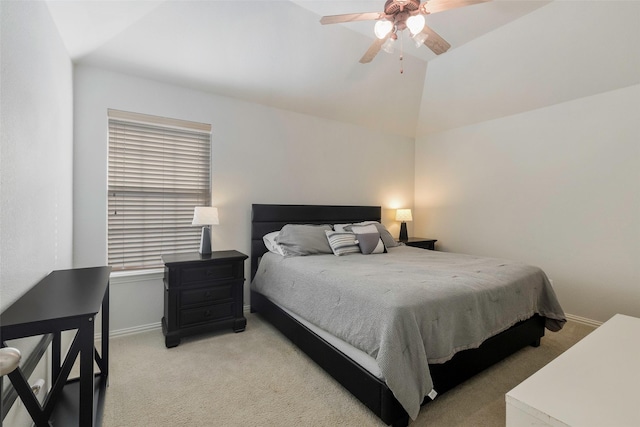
x=205, y=215
x=415, y=24
x=382, y=28
x=388, y=46
x=404, y=215
x=420, y=38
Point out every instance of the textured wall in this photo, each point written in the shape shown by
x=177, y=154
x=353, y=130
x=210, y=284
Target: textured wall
x=36, y=160
x=36, y=153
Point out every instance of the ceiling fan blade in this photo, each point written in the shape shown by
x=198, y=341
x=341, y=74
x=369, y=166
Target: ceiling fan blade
x=350, y=17
x=434, y=42
x=434, y=6
x=373, y=50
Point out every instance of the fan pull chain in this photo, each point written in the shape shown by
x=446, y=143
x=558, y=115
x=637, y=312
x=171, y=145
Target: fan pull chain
x=401, y=52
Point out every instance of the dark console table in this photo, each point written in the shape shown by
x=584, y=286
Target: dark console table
x=64, y=300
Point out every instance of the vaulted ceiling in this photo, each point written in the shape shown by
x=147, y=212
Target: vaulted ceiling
x=272, y=52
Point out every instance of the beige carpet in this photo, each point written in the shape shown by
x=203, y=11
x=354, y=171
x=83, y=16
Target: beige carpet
x=258, y=378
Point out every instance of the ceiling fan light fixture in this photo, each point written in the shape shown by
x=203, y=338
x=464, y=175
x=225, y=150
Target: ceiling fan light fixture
x=388, y=46
x=415, y=24
x=382, y=28
x=420, y=38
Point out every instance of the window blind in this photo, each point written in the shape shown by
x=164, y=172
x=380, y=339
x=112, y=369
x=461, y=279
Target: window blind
x=159, y=170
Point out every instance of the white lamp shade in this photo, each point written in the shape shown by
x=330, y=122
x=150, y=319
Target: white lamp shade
x=404, y=215
x=415, y=23
x=205, y=215
x=382, y=28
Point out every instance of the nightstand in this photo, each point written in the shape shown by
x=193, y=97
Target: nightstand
x=421, y=242
x=202, y=293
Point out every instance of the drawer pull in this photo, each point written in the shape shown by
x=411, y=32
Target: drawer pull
x=207, y=294
x=207, y=313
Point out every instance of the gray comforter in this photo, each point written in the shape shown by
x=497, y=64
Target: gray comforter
x=409, y=307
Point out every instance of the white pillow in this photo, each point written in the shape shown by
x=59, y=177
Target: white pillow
x=271, y=244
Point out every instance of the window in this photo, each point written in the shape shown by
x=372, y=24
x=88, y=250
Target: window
x=159, y=170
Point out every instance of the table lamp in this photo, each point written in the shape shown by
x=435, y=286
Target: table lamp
x=403, y=215
x=205, y=216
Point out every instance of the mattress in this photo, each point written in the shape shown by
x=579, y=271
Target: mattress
x=358, y=356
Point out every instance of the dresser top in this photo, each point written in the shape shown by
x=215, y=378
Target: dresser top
x=594, y=383
x=169, y=259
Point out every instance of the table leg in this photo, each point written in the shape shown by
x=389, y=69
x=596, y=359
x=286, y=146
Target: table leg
x=56, y=356
x=105, y=335
x=86, y=332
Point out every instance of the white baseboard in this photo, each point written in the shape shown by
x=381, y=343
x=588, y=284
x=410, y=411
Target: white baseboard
x=133, y=330
x=149, y=327
x=583, y=320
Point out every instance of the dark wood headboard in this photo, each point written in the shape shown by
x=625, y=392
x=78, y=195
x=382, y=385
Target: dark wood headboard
x=268, y=218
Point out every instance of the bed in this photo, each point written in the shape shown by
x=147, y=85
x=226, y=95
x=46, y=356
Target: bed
x=331, y=353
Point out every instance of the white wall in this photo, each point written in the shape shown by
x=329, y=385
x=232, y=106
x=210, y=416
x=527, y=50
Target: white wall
x=260, y=155
x=36, y=150
x=35, y=155
x=559, y=52
x=556, y=182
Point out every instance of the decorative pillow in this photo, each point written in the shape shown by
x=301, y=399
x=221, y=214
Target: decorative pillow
x=387, y=238
x=369, y=239
x=270, y=242
x=340, y=227
x=370, y=243
x=303, y=239
x=342, y=242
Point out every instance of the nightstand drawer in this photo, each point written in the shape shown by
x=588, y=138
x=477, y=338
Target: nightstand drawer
x=218, y=272
x=205, y=295
x=206, y=314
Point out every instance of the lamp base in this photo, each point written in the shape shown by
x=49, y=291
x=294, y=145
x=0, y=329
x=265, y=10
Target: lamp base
x=403, y=232
x=205, y=241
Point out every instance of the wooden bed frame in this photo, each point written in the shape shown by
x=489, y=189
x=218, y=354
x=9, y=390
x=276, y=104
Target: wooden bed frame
x=370, y=390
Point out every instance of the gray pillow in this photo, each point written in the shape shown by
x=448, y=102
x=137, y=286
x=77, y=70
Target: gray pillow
x=303, y=239
x=369, y=239
x=387, y=238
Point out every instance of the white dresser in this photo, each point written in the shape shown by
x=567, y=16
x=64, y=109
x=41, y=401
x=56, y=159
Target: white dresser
x=594, y=383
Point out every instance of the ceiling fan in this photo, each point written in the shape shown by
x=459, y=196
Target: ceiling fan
x=399, y=15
